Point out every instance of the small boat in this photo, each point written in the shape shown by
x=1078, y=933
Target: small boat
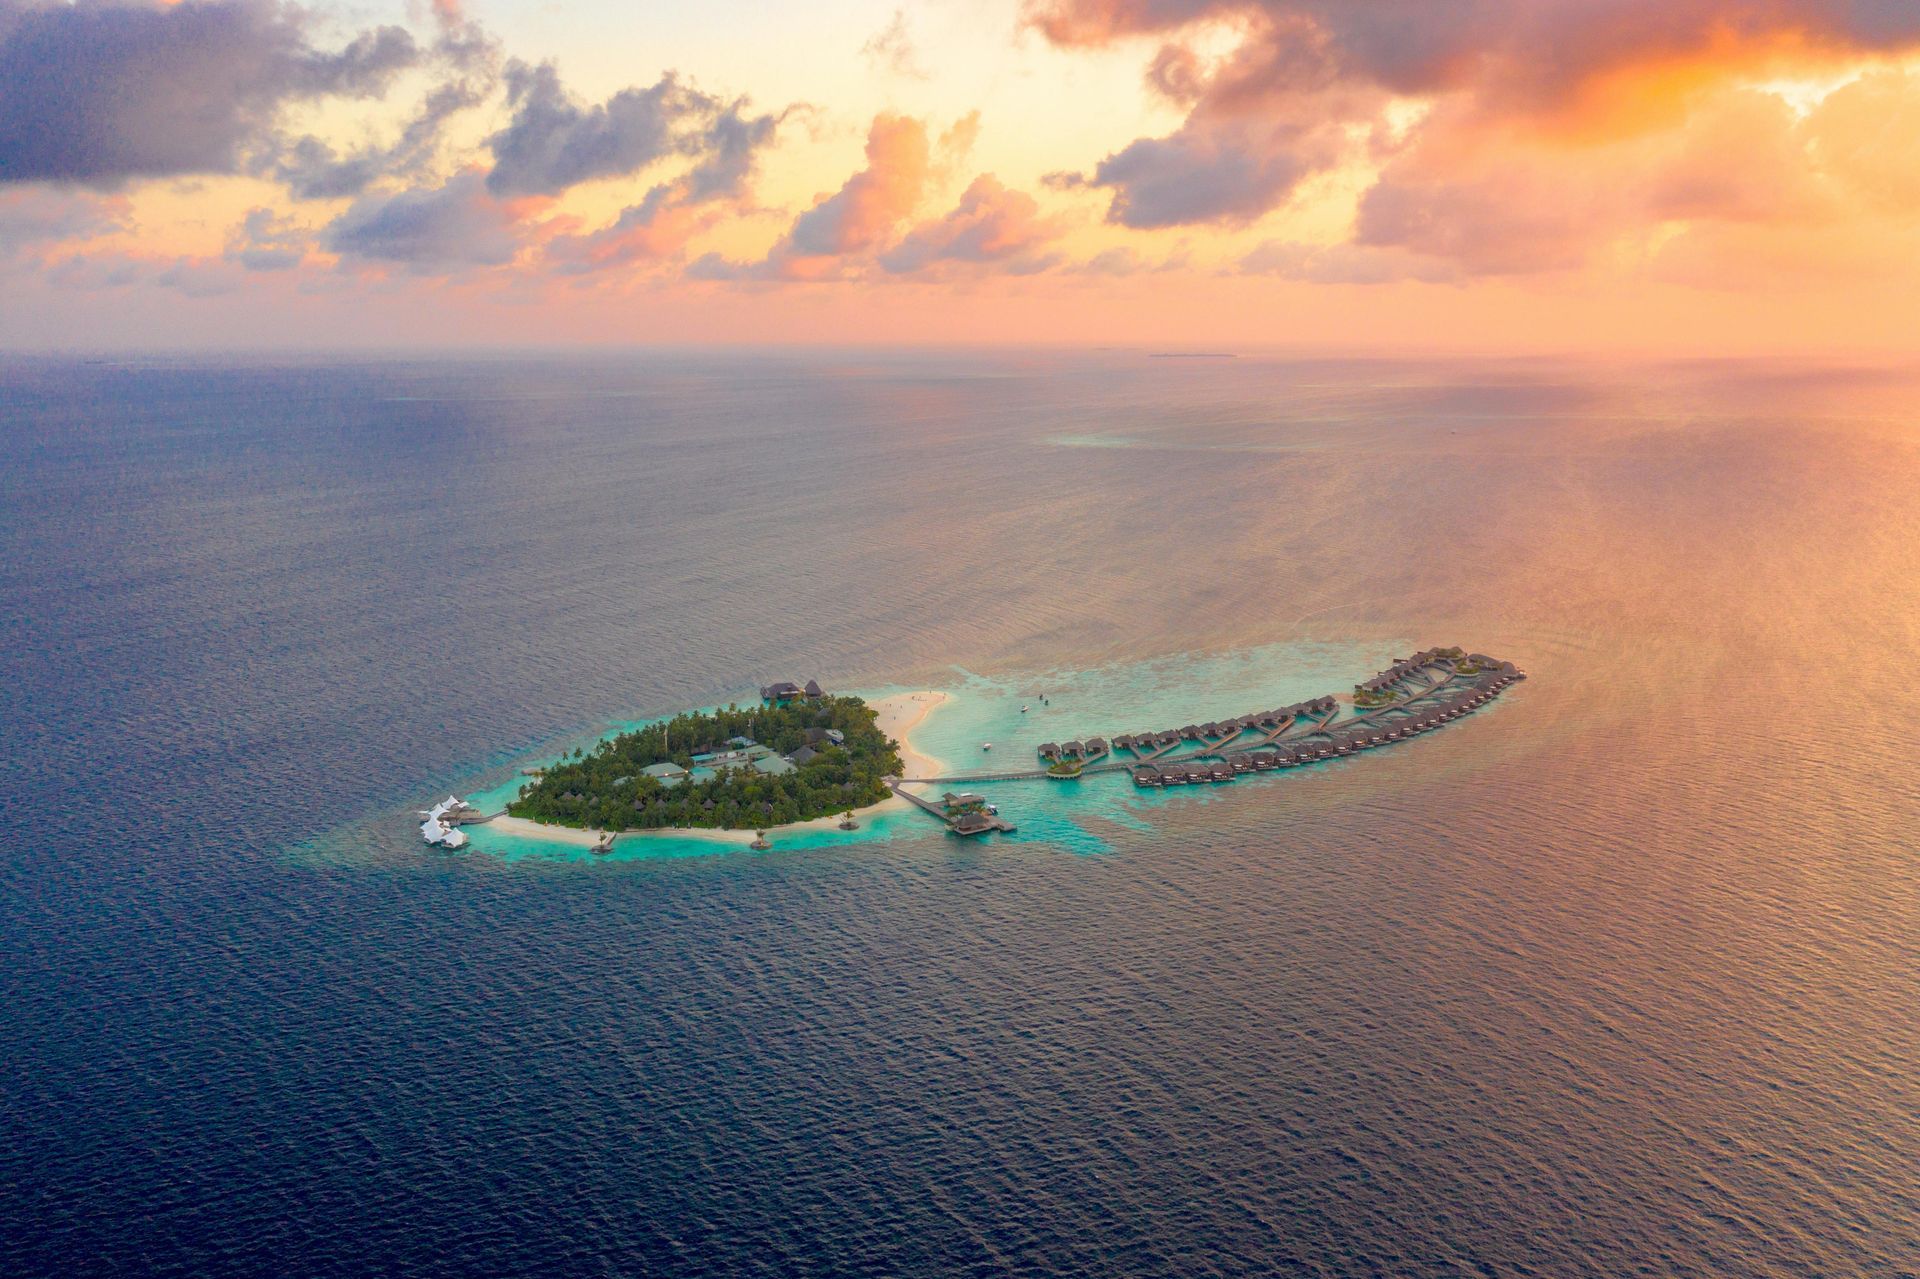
x=1023, y=710
x=986, y=746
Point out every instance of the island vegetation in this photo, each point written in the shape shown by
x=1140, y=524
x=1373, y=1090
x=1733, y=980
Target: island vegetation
x=740, y=768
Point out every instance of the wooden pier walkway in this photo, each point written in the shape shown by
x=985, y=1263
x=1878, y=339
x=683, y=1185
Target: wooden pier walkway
x=987, y=822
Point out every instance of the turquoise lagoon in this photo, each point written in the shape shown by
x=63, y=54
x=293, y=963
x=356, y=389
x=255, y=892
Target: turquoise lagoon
x=1074, y=816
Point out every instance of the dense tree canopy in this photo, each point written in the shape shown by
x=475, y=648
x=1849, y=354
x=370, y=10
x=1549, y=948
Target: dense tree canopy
x=604, y=789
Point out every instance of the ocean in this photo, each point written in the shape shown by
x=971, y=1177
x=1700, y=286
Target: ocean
x=1618, y=976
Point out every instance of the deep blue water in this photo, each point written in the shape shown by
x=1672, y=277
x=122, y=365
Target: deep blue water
x=1619, y=979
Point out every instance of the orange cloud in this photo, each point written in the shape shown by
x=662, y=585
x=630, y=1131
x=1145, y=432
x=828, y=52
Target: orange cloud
x=656, y=229
x=864, y=211
x=991, y=225
x=1867, y=134
x=1309, y=76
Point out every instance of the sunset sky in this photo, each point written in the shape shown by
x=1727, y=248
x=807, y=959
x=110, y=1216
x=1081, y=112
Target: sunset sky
x=1635, y=175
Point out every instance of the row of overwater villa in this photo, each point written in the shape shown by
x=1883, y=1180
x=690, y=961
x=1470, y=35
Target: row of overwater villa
x=1326, y=741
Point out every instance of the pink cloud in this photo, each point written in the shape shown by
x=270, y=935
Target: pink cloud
x=657, y=229
x=990, y=224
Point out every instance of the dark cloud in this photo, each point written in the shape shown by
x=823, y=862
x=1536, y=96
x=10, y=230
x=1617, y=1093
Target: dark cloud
x=1271, y=115
x=1539, y=49
x=729, y=150
x=313, y=170
x=554, y=142
x=99, y=92
x=466, y=62
x=31, y=217
x=1206, y=173
x=711, y=266
x=659, y=227
x=455, y=226
x=264, y=241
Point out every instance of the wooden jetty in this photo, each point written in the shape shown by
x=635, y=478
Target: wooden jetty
x=961, y=814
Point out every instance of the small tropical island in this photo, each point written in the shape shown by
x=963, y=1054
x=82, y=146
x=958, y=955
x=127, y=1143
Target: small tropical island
x=803, y=758
x=800, y=755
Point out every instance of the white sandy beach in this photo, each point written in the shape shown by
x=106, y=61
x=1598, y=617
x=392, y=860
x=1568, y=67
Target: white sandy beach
x=897, y=716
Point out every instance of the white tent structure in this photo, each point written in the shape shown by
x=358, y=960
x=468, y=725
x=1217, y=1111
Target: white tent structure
x=436, y=829
x=438, y=832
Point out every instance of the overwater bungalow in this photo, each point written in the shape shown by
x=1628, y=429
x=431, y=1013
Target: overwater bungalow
x=1096, y=746
x=1049, y=750
x=1074, y=749
x=1146, y=775
x=972, y=823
